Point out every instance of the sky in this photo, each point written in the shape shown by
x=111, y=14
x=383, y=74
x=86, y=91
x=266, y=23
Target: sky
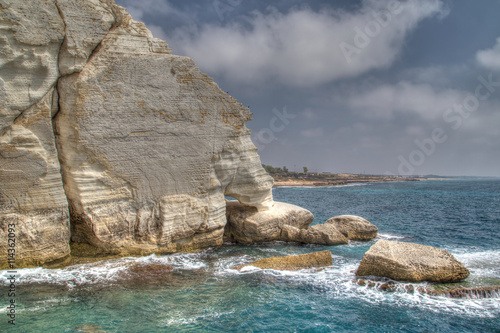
x=409, y=87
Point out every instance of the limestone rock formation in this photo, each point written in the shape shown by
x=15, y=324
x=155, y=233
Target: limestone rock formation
x=147, y=146
x=411, y=262
x=325, y=234
x=249, y=225
x=157, y=147
x=31, y=193
x=31, y=37
x=354, y=227
x=335, y=231
x=294, y=262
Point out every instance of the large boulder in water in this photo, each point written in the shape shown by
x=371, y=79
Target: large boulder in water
x=294, y=262
x=411, y=262
x=324, y=234
x=354, y=227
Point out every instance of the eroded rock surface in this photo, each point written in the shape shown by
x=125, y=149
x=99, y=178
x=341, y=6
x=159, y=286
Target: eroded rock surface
x=411, y=262
x=354, y=227
x=32, y=200
x=292, y=263
x=453, y=290
x=146, y=144
x=157, y=146
x=249, y=225
x=324, y=234
x=335, y=231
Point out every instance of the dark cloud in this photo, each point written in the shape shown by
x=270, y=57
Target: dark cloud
x=403, y=85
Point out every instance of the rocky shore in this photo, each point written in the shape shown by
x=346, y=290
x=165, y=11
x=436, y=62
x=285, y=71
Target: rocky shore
x=122, y=148
x=317, y=180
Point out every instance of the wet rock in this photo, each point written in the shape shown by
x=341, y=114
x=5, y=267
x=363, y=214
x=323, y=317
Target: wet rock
x=248, y=225
x=90, y=328
x=411, y=262
x=294, y=262
x=152, y=269
x=464, y=292
x=445, y=290
x=354, y=227
x=324, y=234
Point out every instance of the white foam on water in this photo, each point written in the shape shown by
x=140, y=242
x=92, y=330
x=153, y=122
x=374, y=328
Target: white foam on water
x=344, y=287
x=353, y=184
x=224, y=265
x=480, y=263
x=337, y=281
x=181, y=318
x=186, y=261
x=390, y=236
x=102, y=272
x=250, y=269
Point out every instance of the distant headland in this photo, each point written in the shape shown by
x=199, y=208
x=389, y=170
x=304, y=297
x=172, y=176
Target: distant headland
x=283, y=177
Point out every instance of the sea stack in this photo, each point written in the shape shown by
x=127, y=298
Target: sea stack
x=110, y=139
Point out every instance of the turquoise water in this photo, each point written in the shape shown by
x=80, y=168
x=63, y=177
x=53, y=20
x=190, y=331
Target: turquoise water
x=203, y=294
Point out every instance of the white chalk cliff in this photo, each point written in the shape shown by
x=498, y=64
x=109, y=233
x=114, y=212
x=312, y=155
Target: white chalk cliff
x=108, y=138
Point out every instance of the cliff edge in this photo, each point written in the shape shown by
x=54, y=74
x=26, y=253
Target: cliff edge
x=109, y=139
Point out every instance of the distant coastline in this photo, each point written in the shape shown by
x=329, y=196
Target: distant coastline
x=283, y=177
x=322, y=180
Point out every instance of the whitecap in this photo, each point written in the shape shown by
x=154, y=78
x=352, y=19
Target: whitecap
x=250, y=269
x=390, y=236
x=102, y=272
x=180, y=318
x=480, y=263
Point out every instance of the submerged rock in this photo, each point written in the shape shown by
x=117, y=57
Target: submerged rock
x=150, y=269
x=445, y=290
x=354, y=227
x=411, y=262
x=294, y=262
x=249, y=225
x=324, y=234
x=464, y=292
x=90, y=328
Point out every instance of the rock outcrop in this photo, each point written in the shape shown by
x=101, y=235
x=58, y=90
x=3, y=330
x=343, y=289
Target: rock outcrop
x=324, y=234
x=34, y=218
x=292, y=263
x=249, y=225
x=98, y=120
x=447, y=290
x=354, y=227
x=157, y=147
x=335, y=231
x=411, y=262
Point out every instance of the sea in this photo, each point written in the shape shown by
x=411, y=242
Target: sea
x=203, y=294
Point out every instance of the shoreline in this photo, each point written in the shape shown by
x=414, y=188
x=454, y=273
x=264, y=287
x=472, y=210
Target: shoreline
x=315, y=182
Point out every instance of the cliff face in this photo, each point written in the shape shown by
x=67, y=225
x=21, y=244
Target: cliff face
x=31, y=191
x=98, y=120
